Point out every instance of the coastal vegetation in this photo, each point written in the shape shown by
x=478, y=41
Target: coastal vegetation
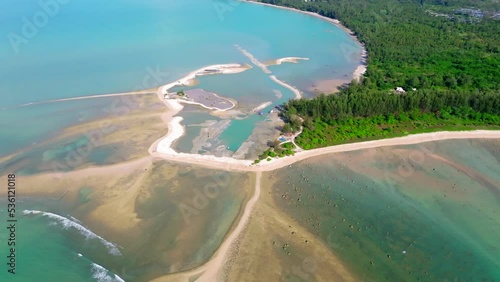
x=354, y=115
x=276, y=150
x=446, y=70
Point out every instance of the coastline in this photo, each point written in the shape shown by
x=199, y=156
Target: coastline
x=361, y=69
x=231, y=164
x=215, y=268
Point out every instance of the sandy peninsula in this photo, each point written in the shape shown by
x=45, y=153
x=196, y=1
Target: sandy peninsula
x=246, y=165
x=291, y=88
x=293, y=60
x=208, y=70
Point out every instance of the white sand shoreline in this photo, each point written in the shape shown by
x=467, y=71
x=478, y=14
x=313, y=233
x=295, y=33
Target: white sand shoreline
x=262, y=106
x=208, y=70
x=288, y=86
x=162, y=148
x=279, y=61
x=231, y=164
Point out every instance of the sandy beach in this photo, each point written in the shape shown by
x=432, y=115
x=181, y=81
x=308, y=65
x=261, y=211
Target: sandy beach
x=328, y=86
x=246, y=165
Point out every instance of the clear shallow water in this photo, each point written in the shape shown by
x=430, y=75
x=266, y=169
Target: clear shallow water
x=428, y=212
x=130, y=45
x=24, y=126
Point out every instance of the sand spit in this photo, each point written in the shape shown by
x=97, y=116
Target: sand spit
x=142, y=92
x=254, y=60
x=208, y=70
x=246, y=165
x=362, y=67
x=215, y=266
x=175, y=129
x=288, y=247
x=262, y=106
x=293, y=60
x=278, y=62
x=282, y=83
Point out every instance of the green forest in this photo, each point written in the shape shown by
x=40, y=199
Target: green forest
x=445, y=55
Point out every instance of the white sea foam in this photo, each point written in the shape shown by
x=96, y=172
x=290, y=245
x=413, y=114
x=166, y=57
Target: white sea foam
x=68, y=223
x=101, y=274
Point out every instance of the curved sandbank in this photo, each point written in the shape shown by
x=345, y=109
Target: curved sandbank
x=361, y=69
x=208, y=70
x=293, y=60
x=262, y=106
x=226, y=163
x=264, y=68
x=282, y=83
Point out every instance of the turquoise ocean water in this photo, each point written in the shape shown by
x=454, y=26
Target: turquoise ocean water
x=60, y=49
x=95, y=47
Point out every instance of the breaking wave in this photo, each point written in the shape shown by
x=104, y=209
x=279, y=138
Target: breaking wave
x=68, y=223
x=101, y=274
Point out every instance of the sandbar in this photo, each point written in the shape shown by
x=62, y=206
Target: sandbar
x=293, y=60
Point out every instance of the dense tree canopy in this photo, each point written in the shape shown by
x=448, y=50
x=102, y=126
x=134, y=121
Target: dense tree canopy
x=451, y=60
x=409, y=47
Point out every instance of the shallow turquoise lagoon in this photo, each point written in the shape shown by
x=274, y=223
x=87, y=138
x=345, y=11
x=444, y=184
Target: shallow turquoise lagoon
x=94, y=47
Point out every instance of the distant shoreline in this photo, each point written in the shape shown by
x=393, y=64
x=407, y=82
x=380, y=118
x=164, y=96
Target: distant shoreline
x=361, y=69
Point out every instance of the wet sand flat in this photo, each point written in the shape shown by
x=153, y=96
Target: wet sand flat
x=164, y=217
x=426, y=211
